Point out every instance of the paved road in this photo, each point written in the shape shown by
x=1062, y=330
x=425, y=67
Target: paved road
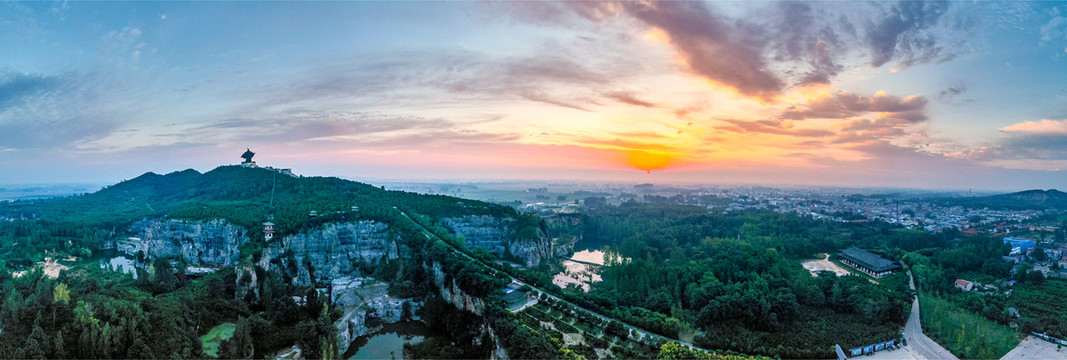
x=921, y=345
x=639, y=332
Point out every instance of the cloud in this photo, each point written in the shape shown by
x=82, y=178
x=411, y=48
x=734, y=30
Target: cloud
x=950, y=94
x=805, y=35
x=1034, y=145
x=843, y=104
x=707, y=45
x=823, y=67
x=1045, y=126
x=58, y=111
x=772, y=127
x=542, y=98
x=1056, y=27
x=902, y=34
x=353, y=129
x=773, y=46
x=17, y=88
x=426, y=78
x=629, y=98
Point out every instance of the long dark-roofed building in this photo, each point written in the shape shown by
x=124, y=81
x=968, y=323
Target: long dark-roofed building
x=866, y=262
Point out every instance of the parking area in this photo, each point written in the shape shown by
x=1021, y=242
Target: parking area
x=1034, y=348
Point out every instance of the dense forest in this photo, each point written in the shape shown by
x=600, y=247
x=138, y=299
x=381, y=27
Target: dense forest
x=90, y=312
x=728, y=281
x=732, y=280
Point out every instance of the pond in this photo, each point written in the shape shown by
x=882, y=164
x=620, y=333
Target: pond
x=578, y=272
x=388, y=343
x=116, y=261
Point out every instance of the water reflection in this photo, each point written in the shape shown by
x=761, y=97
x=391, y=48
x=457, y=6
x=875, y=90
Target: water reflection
x=578, y=271
x=388, y=343
x=117, y=261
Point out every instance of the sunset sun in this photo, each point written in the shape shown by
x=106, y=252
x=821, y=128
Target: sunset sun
x=649, y=160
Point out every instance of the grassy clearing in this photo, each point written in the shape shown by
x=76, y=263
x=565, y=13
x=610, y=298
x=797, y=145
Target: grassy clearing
x=965, y=334
x=214, y=338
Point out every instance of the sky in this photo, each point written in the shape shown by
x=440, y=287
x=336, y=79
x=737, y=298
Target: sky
x=936, y=95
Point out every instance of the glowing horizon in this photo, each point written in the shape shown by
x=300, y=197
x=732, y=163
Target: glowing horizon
x=953, y=95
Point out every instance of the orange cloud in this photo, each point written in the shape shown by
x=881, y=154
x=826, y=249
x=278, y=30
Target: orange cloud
x=1045, y=126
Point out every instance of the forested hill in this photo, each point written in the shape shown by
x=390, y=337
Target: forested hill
x=1024, y=200
x=245, y=196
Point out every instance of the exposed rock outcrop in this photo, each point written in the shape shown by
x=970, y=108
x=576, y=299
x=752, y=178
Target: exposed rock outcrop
x=209, y=243
x=454, y=295
x=500, y=236
x=498, y=351
x=367, y=305
x=331, y=252
x=247, y=282
x=565, y=246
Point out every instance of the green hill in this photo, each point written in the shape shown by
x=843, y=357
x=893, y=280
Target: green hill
x=1024, y=200
x=244, y=196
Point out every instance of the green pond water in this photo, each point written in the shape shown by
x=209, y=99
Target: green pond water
x=388, y=343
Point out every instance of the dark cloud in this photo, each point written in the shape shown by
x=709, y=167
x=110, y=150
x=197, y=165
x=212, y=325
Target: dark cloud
x=842, y=104
x=709, y=46
x=781, y=44
x=807, y=36
x=629, y=98
x=902, y=34
x=823, y=67
x=951, y=94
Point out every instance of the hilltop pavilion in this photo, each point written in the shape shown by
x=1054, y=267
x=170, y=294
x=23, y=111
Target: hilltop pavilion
x=248, y=158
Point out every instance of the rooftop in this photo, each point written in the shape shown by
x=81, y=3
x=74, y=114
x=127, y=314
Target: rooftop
x=868, y=260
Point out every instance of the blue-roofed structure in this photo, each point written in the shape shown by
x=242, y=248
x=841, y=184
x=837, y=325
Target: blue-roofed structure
x=868, y=263
x=1019, y=245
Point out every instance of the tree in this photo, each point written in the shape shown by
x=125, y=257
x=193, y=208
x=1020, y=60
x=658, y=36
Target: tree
x=1036, y=277
x=1040, y=255
x=60, y=347
x=61, y=294
x=616, y=328
x=140, y=350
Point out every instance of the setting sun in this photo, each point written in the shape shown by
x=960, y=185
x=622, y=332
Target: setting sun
x=648, y=161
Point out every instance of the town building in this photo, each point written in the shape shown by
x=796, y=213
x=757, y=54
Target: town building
x=964, y=285
x=1044, y=228
x=1019, y=245
x=515, y=298
x=868, y=263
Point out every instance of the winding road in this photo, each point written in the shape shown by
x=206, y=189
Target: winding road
x=921, y=346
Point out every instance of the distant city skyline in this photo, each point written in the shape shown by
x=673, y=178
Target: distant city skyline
x=925, y=95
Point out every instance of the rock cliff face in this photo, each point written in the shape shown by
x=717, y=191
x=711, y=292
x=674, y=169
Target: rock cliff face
x=365, y=300
x=454, y=295
x=211, y=243
x=565, y=246
x=247, y=282
x=331, y=252
x=499, y=236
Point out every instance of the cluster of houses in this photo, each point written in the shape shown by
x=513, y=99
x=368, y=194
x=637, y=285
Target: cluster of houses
x=1022, y=250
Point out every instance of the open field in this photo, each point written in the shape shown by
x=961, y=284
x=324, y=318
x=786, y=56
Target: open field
x=824, y=264
x=214, y=338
